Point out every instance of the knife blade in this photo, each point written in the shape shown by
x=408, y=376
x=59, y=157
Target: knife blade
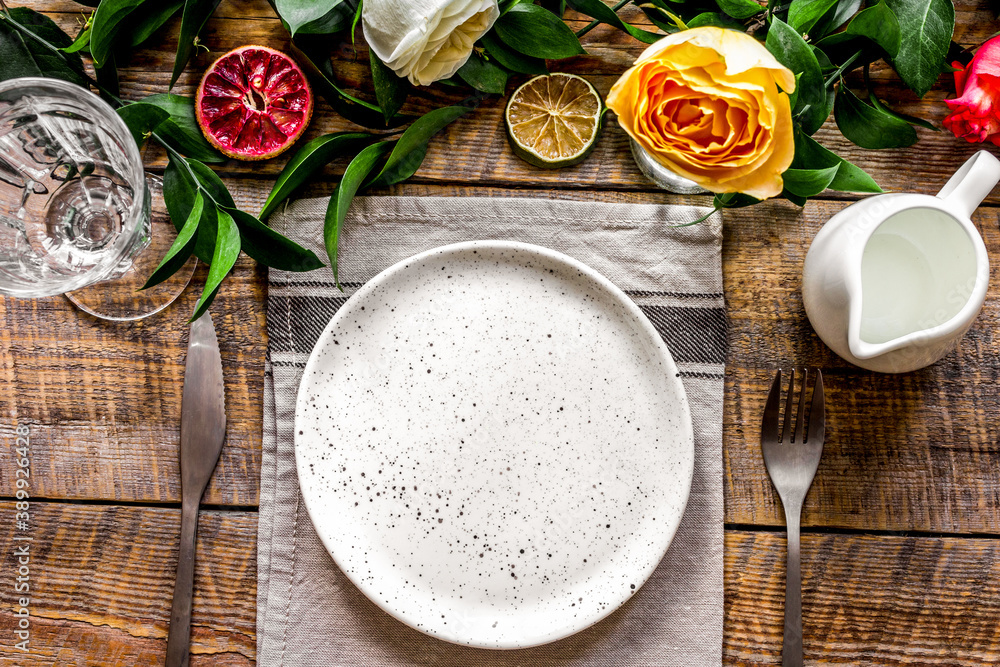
x=203, y=430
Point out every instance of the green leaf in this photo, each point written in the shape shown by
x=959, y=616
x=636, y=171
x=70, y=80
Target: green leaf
x=803, y=14
x=878, y=24
x=307, y=160
x=212, y=184
x=483, y=75
x=511, y=59
x=409, y=151
x=837, y=16
x=21, y=55
x=271, y=248
x=740, y=9
x=825, y=64
x=657, y=14
x=141, y=119
x=506, y=5
x=868, y=126
x=193, y=19
x=355, y=174
x=390, y=90
x=180, y=188
x=809, y=182
x=912, y=120
x=734, y=200
x=179, y=191
x=813, y=117
x=182, y=247
x=181, y=131
x=81, y=43
x=557, y=7
x=810, y=154
x=358, y=13
x=316, y=64
x=338, y=19
x=600, y=11
x=149, y=18
x=107, y=79
x=300, y=13
x=537, y=32
x=104, y=30
x=881, y=25
x=717, y=19
x=926, y=27
x=227, y=250
x=788, y=47
x=794, y=198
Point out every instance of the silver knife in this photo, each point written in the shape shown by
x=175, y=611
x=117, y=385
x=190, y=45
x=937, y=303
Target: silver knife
x=203, y=428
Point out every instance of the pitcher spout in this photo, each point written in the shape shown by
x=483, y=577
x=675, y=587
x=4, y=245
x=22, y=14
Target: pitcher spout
x=924, y=274
x=863, y=350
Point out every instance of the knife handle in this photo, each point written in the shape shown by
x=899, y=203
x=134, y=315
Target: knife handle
x=179, y=635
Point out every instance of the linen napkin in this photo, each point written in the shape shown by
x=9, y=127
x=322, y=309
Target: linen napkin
x=309, y=613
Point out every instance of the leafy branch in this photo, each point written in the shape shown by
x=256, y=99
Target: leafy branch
x=219, y=230
x=376, y=162
x=820, y=41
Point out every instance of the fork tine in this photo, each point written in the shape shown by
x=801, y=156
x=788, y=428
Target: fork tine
x=817, y=412
x=799, y=421
x=788, y=406
x=769, y=424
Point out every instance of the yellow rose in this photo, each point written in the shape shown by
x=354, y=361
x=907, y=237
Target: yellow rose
x=706, y=104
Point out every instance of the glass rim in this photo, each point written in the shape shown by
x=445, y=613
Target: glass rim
x=110, y=121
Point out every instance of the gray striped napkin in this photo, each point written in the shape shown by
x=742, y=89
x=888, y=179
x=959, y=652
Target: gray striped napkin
x=308, y=612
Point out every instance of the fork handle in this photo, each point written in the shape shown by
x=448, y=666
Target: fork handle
x=791, y=651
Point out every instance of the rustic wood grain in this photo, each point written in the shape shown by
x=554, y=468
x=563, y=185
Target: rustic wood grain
x=866, y=600
x=102, y=580
x=914, y=454
x=102, y=399
x=101, y=583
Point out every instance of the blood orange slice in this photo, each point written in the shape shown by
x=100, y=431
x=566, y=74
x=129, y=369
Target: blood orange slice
x=253, y=103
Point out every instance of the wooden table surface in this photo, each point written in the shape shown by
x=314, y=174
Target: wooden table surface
x=901, y=544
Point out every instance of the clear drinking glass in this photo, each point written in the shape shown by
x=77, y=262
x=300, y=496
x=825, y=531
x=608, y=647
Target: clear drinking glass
x=75, y=206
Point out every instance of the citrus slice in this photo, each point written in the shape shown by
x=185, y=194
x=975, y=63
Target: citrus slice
x=253, y=103
x=554, y=120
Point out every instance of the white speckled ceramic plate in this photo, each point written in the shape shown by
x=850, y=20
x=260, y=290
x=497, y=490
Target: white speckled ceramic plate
x=493, y=444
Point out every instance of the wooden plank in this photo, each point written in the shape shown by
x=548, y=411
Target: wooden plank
x=102, y=581
x=866, y=600
x=102, y=399
x=101, y=584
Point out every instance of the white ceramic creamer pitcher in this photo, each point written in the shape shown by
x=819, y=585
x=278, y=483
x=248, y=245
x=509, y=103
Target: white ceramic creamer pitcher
x=892, y=282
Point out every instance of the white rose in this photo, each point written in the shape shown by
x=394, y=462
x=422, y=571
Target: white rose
x=426, y=40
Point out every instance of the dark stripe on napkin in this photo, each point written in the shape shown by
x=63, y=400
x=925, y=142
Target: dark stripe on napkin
x=693, y=335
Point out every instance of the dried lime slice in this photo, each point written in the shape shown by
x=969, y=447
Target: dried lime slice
x=554, y=120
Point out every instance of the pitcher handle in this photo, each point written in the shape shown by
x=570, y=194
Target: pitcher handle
x=973, y=181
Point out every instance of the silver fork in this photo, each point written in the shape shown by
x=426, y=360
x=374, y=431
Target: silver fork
x=791, y=462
